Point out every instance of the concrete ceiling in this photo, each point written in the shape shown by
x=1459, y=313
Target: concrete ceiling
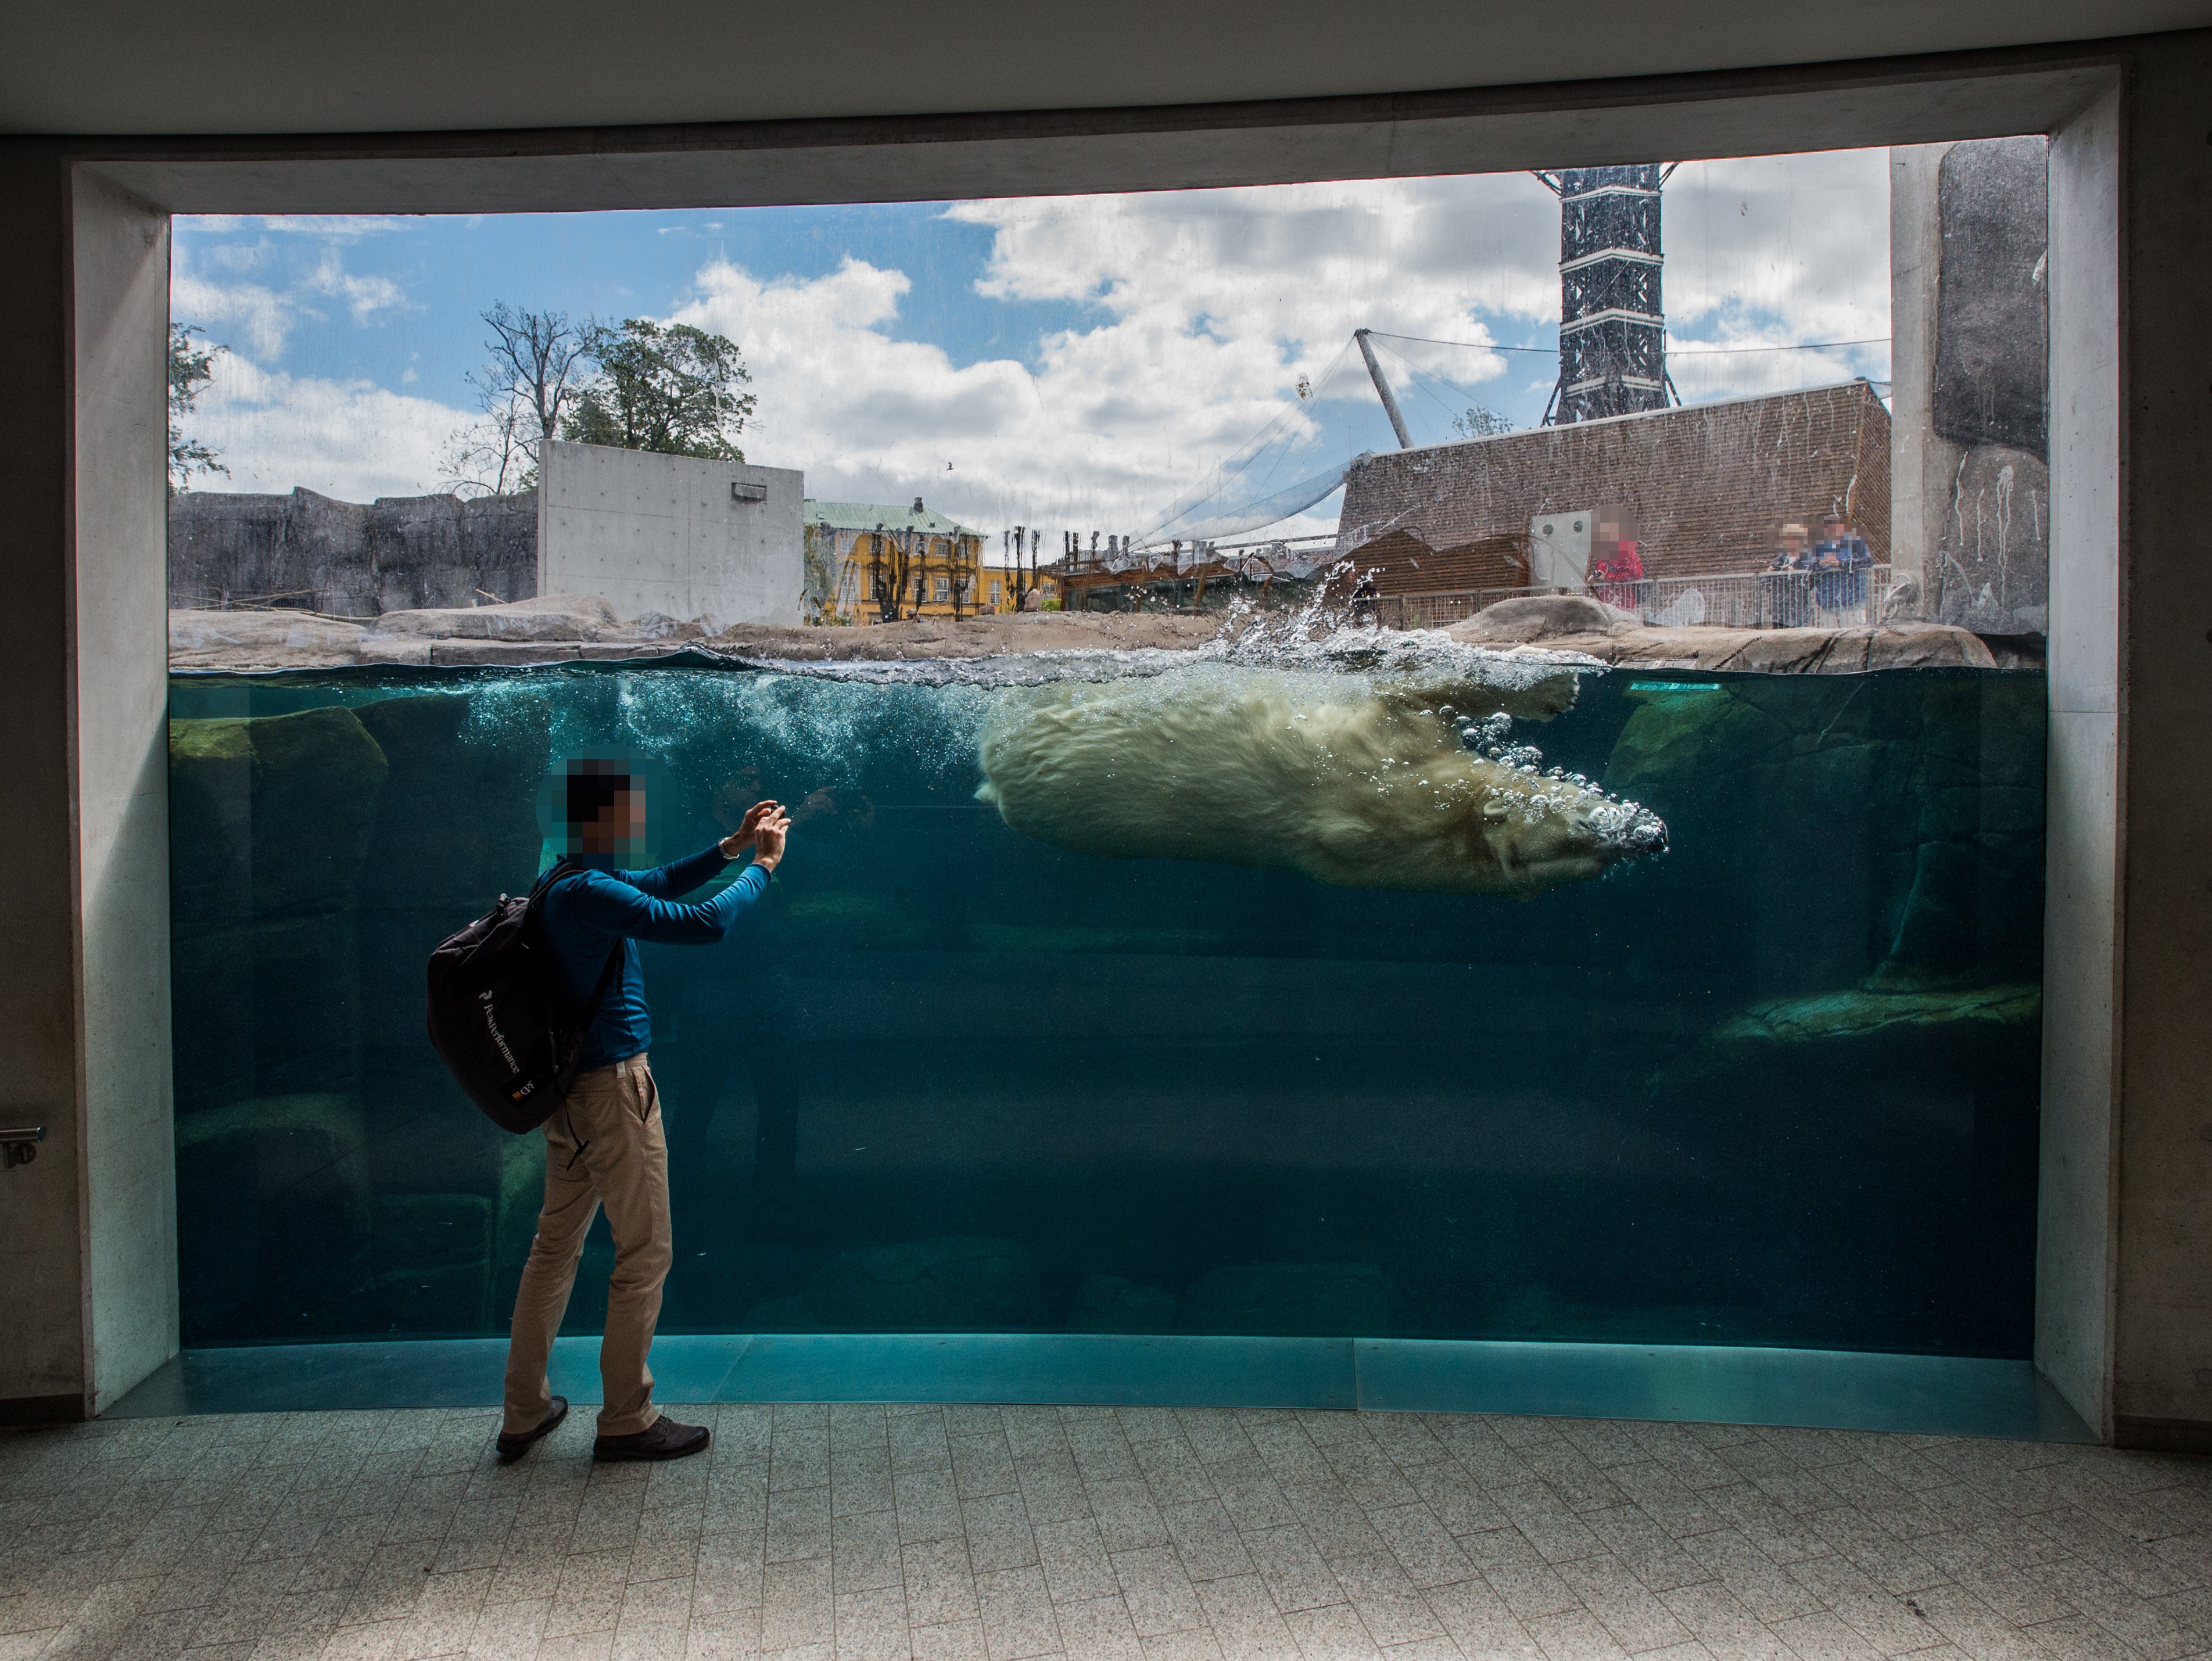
x=279, y=66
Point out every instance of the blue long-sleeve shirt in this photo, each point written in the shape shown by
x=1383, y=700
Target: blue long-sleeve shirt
x=587, y=910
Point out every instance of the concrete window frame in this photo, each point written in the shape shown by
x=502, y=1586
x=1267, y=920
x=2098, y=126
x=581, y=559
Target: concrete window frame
x=92, y=1224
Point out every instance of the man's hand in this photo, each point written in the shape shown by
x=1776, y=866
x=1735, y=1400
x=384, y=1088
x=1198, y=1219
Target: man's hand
x=768, y=837
x=748, y=828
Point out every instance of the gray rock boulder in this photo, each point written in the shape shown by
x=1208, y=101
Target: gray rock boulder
x=1626, y=644
x=1542, y=617
x=271, y=639
x=549, y=617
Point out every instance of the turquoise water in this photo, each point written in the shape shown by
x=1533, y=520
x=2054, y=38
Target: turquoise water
x=1776, y=1084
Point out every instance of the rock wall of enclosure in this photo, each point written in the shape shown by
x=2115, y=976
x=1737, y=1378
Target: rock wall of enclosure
x=1969, y=299
x=312, y=553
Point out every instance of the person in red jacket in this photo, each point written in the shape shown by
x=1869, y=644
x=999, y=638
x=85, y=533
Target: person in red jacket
x=1620, y=566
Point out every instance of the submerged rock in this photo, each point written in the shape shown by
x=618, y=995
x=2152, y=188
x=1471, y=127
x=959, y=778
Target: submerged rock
x=1289, y=1300
x=270, y=822
x=1897, y=820
x=1113, y=1303
x=270, y=815
x=1980, y=1034
x=279, y=1228
x=950, y=1284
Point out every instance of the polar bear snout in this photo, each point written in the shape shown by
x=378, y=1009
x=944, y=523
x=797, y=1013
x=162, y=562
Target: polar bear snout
x=1553, y=833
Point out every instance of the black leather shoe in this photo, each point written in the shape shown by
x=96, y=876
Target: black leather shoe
x=664, y=1438
x=514, y=1443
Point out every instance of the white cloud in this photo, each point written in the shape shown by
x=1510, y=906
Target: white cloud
x=1212, y=304
x=244, y=315
x=1197, y=314
x=259, y=317
x=347, y=439
x=1771, y=250
x=364, y=296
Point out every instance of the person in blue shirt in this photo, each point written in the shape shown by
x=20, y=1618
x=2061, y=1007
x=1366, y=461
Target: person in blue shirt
x=1842, y=559
x=605, y=1144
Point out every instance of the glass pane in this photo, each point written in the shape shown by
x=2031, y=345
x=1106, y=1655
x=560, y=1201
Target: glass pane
x=1277, y=937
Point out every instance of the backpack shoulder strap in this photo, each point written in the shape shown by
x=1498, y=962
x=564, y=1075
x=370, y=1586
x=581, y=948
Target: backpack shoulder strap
x=567, y=866
x=564, y=866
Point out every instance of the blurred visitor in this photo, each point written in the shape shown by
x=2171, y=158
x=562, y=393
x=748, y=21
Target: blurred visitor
x=605, y=1144
x=1788, y=591
x=1841, y=559
x=1617, y=564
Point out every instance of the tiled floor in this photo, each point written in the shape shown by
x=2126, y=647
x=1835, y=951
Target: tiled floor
x=833, y=1532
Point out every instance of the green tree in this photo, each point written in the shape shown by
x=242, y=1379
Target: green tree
x=1480, y=421
x=191, y=366
x=669, y=388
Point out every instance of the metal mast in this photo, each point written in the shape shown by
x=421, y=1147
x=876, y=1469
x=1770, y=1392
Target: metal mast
x=1382, y=390
x=1613, y=350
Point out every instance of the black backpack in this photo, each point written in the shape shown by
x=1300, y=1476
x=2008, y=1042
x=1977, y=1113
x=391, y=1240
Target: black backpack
x=500, y=1017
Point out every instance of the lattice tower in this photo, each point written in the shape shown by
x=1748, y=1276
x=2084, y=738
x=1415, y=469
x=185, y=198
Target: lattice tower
x=1613, y=345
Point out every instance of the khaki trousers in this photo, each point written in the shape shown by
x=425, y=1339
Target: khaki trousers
x=603, y=1147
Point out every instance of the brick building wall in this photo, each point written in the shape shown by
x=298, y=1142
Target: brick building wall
x=1711, y=484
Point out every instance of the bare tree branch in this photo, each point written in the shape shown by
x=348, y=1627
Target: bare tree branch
x=530, y=376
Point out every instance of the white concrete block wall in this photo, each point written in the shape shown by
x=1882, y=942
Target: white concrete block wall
x=659, y=533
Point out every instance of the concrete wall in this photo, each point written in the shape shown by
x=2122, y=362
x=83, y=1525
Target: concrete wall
x=42, y=1362
x=664, y=533
x=2161, y=398
x=121, y=754
x=2083, y=839
x=1921, y=464
x=87, y=1231
x=352, y=559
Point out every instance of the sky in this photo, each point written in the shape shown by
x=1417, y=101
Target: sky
x=1072, y=362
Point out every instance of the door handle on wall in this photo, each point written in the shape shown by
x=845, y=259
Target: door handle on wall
x=20, y=1146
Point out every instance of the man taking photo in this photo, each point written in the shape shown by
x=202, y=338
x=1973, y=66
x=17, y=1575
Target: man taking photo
x=604, y=1144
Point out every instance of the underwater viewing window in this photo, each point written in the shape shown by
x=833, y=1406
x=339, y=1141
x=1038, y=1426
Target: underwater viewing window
x=1775, y=1086
x=1301, y=961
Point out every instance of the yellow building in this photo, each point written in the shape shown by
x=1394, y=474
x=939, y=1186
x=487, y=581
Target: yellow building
x=997, y=584
x=869, y=562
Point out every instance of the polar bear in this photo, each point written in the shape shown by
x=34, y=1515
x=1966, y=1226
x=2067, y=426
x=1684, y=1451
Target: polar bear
x=1347, y=782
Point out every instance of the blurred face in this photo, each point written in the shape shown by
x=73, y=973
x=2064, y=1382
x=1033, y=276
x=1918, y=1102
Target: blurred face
x=621, y=819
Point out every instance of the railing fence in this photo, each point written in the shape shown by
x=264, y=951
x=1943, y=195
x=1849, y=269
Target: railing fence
x=1764, y=599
